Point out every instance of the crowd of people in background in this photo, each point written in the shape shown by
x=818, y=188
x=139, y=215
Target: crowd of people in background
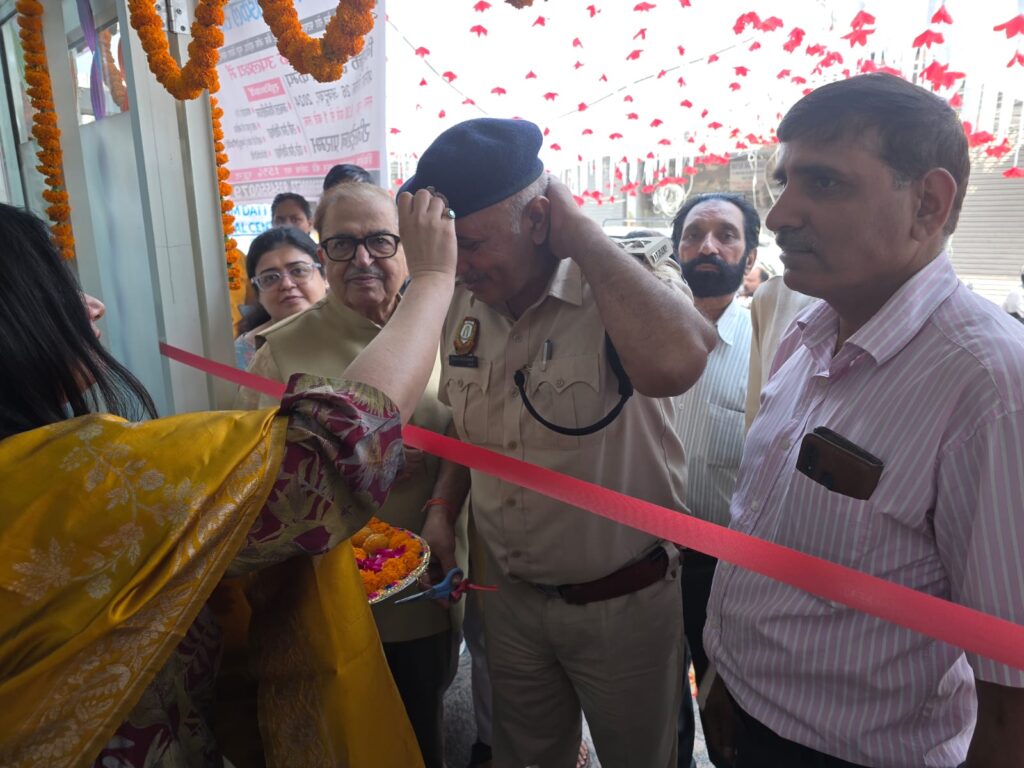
x=864, y=407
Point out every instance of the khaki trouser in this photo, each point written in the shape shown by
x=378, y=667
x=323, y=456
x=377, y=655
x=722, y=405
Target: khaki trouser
x=618, y=660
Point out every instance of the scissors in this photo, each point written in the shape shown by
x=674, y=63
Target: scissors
x=447, y=589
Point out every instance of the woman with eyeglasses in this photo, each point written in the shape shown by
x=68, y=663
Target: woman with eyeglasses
x=116, y=526
x=287, y=277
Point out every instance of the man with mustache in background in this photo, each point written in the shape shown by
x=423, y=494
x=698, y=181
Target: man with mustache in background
x=715, y=237
x=890, y=439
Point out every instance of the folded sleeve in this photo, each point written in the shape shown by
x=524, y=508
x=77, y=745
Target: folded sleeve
x=343, y=452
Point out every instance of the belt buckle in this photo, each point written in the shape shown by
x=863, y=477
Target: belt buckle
x=548, y=590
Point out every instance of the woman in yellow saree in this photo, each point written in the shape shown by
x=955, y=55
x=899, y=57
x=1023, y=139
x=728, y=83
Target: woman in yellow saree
x=114, y=532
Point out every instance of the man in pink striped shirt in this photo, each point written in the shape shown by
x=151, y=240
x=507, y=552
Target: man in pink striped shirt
x=914, y=374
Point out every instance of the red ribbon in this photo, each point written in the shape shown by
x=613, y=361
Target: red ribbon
x=958, y=625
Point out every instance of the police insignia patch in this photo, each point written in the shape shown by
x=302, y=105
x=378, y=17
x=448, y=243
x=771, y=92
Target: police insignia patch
x=465, y=343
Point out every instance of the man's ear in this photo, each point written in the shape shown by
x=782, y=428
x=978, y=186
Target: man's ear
x=936, y=192
x=535, y=219
x=751, y=260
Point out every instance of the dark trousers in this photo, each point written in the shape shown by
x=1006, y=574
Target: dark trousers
x=421, y=669
x=698, y=571
x=757, y=746
x=760, y=747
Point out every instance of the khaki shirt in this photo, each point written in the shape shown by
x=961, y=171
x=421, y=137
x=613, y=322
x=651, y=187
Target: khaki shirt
x=323, y=340
x=530, y=536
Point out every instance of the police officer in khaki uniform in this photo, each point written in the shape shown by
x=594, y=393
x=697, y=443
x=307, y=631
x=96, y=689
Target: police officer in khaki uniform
x=588, y=612
x=365, y=265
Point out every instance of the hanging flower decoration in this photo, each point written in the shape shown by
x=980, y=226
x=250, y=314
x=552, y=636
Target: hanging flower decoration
x=115, y=77
x=232, y=255
x=44, y=124
x=324, y=58
x=200, y=71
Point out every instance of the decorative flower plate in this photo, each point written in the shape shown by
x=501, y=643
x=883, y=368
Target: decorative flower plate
x=389, y=559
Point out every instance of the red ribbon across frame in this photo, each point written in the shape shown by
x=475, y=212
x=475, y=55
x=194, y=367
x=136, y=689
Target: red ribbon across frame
x=958, y=625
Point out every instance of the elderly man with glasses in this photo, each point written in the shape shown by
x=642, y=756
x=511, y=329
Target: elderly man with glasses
x=362, y=255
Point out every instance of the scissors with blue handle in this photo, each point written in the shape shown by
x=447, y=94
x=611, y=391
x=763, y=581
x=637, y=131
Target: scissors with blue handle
x=448, y=588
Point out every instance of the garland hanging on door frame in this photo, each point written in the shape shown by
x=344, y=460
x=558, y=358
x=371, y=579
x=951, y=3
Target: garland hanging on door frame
x=200, y=71
x=232, y=255
x=44, y=124
x=324, y=58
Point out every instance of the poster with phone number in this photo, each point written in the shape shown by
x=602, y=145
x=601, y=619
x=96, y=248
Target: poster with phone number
x=283, y=131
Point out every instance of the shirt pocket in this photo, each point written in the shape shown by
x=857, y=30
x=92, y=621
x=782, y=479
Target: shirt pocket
x=566, y=393
x=725, y=436
x=825, y=524
x=467, y=392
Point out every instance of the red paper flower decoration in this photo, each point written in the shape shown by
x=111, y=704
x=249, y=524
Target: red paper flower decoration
x=479, y=30
x=634, y=55
x=863, y=18
x=999, y=150
x=422, y=52
x=1014, y=26
x=795, y=39
x=928, y=38
x=481, y=6
x=858, y=36
x=1014, y=173
x=942, y=16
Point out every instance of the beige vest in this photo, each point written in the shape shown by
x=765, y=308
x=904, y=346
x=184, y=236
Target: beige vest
x=322, y=341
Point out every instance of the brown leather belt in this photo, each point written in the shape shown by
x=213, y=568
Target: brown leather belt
x=625, y=581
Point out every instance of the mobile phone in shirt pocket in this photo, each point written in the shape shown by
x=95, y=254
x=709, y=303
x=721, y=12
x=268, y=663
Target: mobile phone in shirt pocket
x=838, y=464
x=467, y=392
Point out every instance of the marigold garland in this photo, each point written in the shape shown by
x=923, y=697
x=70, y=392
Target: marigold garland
x=118, y=89
x=44, y=124
x=232, y=255
x=324, y=58
x=200, y=71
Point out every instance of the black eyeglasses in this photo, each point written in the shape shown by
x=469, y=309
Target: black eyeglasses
x=381, y=245
x=299, y=272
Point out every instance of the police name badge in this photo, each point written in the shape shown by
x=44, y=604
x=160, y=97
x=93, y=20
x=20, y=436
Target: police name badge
x=465, y=343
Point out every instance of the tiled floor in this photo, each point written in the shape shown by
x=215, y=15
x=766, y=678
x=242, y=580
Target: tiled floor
x=460, y=727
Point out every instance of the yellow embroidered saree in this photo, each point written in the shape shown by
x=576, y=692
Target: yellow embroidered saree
x=113, y=536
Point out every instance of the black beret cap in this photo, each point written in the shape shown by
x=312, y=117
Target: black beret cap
x=480, y=162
